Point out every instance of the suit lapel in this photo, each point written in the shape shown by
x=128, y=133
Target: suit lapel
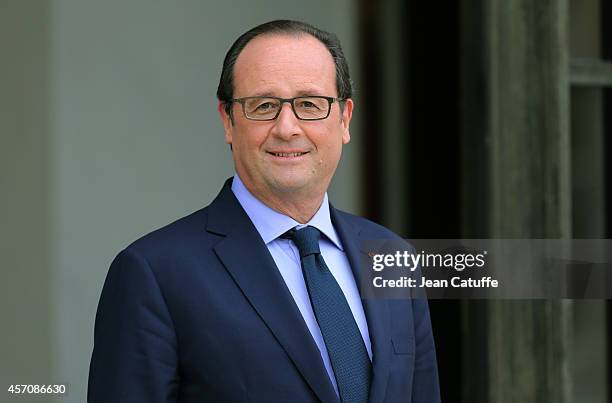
x=248, y=261
x=376, y=310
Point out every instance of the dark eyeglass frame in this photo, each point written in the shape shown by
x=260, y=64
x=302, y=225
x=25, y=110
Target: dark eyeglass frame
x=291, y=101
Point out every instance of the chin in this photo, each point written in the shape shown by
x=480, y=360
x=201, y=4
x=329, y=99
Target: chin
x=290, y=184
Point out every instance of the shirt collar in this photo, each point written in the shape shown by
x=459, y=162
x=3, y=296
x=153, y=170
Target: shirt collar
x=271, y=224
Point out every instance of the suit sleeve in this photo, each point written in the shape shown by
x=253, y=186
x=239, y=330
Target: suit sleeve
x=426, y=388
x=135, y=356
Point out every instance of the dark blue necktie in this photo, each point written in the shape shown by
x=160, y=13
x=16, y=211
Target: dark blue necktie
x=347, y=352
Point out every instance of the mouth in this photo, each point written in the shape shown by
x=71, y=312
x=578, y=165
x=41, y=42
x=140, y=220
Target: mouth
x=288, y=155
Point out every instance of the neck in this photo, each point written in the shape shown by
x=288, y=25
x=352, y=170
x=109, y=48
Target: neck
x=301, y=211
x=296, y=205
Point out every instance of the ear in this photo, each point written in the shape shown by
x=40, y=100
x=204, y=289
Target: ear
x=347, y=115
x=227, y=122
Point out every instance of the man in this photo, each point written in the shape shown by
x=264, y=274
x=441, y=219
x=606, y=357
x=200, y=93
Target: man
x=254, y=298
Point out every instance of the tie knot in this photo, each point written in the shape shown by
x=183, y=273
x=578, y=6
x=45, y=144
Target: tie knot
x=306, y=239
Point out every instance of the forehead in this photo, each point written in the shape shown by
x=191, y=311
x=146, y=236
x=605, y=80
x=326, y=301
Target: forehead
x=286, y=66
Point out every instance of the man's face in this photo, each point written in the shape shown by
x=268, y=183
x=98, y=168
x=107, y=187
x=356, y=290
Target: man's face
x=286, y=66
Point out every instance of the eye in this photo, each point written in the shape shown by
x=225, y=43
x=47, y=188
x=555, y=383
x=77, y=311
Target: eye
x=261, y=106
x=307, y=104
x=265, y=106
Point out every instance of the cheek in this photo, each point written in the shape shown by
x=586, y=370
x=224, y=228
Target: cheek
x=330, y=153
x=248, y=141
x=335, y=143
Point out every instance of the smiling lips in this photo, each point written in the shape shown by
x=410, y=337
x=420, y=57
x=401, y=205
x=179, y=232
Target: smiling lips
x=288, y=155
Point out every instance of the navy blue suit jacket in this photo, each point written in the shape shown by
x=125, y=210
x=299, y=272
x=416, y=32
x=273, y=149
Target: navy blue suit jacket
x=198, y=312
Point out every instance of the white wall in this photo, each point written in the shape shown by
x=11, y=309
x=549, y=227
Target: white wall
x=114, y=133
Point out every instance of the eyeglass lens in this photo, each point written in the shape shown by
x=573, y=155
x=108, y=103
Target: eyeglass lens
x=304, y=107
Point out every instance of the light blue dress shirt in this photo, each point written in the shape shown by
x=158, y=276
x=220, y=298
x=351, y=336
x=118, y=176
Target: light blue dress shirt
x=271, y=225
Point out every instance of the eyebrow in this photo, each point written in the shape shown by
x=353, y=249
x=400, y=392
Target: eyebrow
x=308, y=93
x=301, y=93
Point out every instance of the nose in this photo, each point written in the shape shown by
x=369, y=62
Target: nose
x=286, y=124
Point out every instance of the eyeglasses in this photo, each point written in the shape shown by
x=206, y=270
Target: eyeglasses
x=304, y=108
